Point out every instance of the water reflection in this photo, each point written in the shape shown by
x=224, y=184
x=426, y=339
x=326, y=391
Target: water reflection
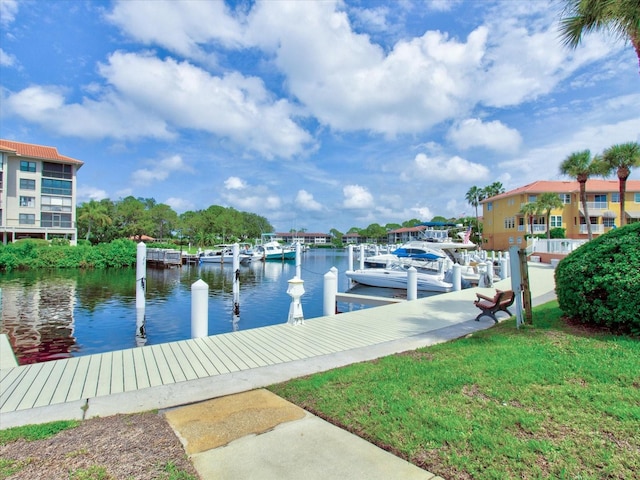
x=56, y=314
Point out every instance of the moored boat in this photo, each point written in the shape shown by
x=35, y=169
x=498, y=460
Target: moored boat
x=395, y=275
x=274, y=251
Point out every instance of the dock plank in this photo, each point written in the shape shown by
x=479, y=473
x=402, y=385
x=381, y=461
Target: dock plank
x=128, y=371
x=163, y=366
x=61, y=393
x=117, y=376
x=76, y=385
x=90, y=389
x=104, y=377
x=50, y=385
x=153, y=371
x=23, y=388
x=192, y=356
x=172, y=363
x=141, y=369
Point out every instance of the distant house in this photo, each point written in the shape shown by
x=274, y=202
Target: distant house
x=37, y=192
x=504, y=225
x=304, y=238
x=142, y=238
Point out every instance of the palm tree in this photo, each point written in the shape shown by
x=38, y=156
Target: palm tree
x=621, y=158
x=620, y=17
x=492, y=190
x=530, y=210
x=94, y=213
x=580, y=166
x=474, y=196
x=546, y=202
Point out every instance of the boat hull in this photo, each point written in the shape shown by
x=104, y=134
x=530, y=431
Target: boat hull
x=385, y=278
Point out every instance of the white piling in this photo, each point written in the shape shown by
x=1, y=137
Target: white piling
x=361, y=256
x=350, y=267
x=236, y=279
x=330, y=288
x=298, y=261
x=489, y=281
x=141, y=334
x=503, y=268
x=199, y=309
x=457, y=277
x=141, y=274
x=412, y=283
x=295, y=291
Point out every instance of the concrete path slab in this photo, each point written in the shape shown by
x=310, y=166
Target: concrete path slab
x=276, y=440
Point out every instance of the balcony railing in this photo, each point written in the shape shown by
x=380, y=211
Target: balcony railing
x=594, y=229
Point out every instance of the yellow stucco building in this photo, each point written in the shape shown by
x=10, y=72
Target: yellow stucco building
x=504, y=225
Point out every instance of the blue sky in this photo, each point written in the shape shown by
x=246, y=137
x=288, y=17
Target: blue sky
x=313, y=114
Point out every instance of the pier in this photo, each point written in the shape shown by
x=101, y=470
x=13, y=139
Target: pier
x=164, y=257
x=187, y=371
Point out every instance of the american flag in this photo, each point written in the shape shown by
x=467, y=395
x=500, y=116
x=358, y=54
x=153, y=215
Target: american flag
x=467, y=235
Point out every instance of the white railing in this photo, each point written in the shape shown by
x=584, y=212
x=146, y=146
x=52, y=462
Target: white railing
x=594, y=229
x=554, y=245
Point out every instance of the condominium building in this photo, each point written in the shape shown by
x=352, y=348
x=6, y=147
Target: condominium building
x=37, y=192
x=504, y=224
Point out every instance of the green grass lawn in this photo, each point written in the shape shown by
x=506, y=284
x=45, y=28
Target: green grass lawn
x=544, y=401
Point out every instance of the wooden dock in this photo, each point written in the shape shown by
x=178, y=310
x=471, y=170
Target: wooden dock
x=175, y=373
x=164, y=257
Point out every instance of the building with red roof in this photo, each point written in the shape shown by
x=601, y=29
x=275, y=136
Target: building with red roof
x=37, y=192
x=504, y=224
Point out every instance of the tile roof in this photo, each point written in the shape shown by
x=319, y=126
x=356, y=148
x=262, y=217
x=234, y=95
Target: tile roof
x=31, y=150
x=544, y=186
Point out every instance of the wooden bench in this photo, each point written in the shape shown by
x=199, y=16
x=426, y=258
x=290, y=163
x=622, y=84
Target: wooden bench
x=500, y=302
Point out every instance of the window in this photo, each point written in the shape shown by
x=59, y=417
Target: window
x=556, y=221
x=636, y=197
x=511, y=201
x=615, y=197
x=27, y=201
x=55, y=220
x=27, y=166
x=600, y=201
x=489, y=206
x=56, y=187
x=509, y=222
x=566, y=198
x=532, y=198
x=27, y=184
x=27, y=219
x=57, y=170
x=55, y=204
x=609, y=222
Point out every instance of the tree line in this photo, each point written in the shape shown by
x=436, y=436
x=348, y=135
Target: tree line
x=106, y=220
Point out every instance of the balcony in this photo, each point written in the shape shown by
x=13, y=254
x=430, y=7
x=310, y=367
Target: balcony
x=594, y=229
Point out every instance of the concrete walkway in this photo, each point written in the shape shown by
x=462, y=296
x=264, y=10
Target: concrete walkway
x=232, y=429
x=257, y=434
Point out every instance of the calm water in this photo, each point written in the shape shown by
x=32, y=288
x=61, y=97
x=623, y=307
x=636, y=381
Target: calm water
x=50, y=315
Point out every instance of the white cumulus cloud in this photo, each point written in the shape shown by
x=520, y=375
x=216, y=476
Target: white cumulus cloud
x=305, y=201
x=473, y=132
x=357, y=197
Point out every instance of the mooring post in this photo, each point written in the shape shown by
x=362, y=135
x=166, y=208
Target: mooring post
x=141, y=274
x=457, y=277
x=361, y=256
x=199, y=309
x=298, y=261
x=236, y=279
x=412, y=283
x=350, y=259
x=329, y=293
x=295, y=291
x=503, y=268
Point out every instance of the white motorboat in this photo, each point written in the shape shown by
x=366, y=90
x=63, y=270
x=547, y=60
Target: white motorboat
x=274, y=251
x=395, y=275
x=223, y=254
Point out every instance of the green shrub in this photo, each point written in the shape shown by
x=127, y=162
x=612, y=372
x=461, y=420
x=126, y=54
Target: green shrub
x=557, y=232
x=599, y=283
x=119, y=253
